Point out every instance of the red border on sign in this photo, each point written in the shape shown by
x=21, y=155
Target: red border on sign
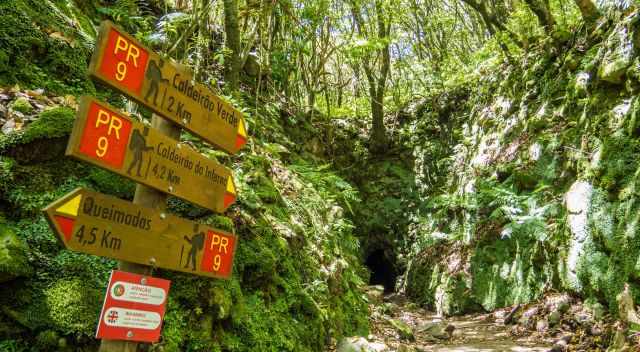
x=111, y=332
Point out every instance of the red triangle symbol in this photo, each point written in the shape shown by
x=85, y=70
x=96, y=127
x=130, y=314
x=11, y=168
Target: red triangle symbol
x=240, y=141
x=66, y=225
x=228, y=199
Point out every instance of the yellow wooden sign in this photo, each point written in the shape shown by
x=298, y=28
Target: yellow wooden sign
x=94, y=223
x=107, y=138
x=165, y=87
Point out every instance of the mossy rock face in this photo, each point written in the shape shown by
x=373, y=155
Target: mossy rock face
x=43, y=139
x=34, y=59
x=73, y=306
x=66, y=305
x=508, y=272
x=13, y=255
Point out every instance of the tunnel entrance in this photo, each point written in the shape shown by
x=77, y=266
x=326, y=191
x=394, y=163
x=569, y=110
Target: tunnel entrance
x=383, y=271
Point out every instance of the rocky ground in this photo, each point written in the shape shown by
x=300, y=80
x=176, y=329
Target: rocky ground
x=556, y=323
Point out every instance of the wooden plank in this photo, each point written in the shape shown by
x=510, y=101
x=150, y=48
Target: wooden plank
x=107, y=138
x=167, y=88
x=94, y=223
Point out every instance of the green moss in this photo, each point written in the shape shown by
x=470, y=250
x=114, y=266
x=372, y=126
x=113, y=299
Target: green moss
x=22, y=105
x=13, y=255
x=35, y=186
x=47, y=340
x=70, y=306
x=50, y=125
x=36, y=59
x=507, y=272
x=73, y=306
x=111, y=183
x=619, y=161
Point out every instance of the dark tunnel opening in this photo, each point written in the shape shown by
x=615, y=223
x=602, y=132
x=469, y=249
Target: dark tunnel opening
x=383, y=271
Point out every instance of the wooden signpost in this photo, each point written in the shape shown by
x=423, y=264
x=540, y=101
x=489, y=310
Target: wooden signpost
x=141, y=235
x=123, y=63
x=94, y=223
x=107, y=138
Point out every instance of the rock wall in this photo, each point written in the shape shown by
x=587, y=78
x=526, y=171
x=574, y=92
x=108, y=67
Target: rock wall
x=529, y=181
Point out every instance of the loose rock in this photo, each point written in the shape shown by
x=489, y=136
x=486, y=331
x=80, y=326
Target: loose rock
x=403, y=329
x=360, y=344
x=13, y=255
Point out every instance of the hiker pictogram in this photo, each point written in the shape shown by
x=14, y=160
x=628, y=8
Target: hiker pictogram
x=154, y=74
x=197, y=243
x=138, y=145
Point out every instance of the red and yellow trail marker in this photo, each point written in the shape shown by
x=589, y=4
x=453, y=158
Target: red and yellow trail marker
x=241, y=138
x=165, y=87
x=230, y=194
x=94, y=223
x=106, y=137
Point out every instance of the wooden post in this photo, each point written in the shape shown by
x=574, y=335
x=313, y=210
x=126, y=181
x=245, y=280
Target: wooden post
x=151, y=198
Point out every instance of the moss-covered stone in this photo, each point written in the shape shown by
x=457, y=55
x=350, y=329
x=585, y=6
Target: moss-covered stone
x=21, y=104
x=43, y=139
x=73, y=306
x=34, y=59
x=13, y=255
x=403, y=329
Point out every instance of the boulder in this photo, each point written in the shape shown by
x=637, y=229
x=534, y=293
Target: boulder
x=13, y=255
x=554, y=318
x=627, y=310
x=577, y=200
x=22, y=105
x=437, y=330
x=375, y=293
x=360, y=344
x=404, y=330
x=619, y=52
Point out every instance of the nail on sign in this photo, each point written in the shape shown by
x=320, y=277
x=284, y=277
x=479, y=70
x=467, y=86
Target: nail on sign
x=107, y=138
x=168, y=89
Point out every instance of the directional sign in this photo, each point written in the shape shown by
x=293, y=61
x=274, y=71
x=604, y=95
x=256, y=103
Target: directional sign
x=133, y=307
x=98, y=224
x=165, y=87
x=105, y=137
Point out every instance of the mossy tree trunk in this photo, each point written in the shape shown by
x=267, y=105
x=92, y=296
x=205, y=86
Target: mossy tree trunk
x=232, y=69
x=542, y=10
x=588, y=10
x=377, y=79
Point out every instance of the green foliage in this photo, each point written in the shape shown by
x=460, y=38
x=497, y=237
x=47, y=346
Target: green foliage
x=13, y=255
x=32, y=58
x=511, y=271
x=619, y=161
x=127, y=14
x=22, y=105
x=110, y=183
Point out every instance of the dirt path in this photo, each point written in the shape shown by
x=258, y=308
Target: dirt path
x=401, y=326
x=466, y=333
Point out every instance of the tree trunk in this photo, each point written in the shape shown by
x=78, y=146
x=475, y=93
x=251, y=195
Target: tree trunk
x=588, y=9
x=378, y=139
x=232, y=69
x=541, y=9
